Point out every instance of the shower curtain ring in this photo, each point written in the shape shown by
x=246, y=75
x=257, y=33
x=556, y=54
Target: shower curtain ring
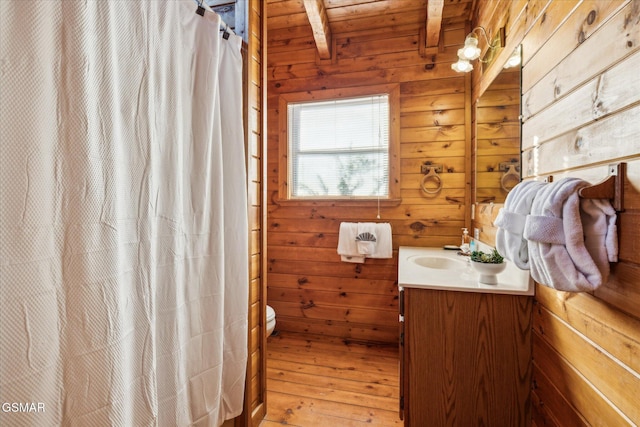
x=200, y=9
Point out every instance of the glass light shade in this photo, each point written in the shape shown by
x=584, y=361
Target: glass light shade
x=462, y=66
x=471, y=50
x=512, y=62
x=514, y=59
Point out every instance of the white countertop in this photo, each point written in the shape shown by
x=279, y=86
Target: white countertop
x=462, y=277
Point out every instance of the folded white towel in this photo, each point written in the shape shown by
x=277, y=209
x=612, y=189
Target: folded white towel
x=367, y=238
x=357, y=241
x=559, y=257
x=510, y=222
x=347, y=245
x=384, y=244
x=356, y=259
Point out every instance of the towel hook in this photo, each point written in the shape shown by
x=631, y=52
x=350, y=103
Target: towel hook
x=431, y=175
x=510, y=175
x=611, y=188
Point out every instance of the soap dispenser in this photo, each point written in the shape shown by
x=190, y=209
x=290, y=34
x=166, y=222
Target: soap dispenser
x=466, y=240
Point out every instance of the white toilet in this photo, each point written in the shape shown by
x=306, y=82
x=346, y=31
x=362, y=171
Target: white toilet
x=271, y=320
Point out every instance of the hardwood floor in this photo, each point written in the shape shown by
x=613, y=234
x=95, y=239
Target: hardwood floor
x=315, y=381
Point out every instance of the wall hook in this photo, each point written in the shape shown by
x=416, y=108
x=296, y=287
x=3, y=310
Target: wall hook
x=611, y=188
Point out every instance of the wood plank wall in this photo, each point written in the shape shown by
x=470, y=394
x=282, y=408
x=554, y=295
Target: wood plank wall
x=308, y=286
x=581, y=106
x=255, y=388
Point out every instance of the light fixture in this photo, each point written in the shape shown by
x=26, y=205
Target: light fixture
x=470, y=51
x=514, y=59
x=463, y=65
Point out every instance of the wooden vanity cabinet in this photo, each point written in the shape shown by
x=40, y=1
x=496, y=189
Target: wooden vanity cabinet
x=465, y=358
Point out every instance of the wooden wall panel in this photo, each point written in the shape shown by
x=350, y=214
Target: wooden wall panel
x=308, y=286
x=255, y=384
x=581, y=104
x=559, y=46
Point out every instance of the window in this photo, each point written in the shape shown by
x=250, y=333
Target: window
x=339, y=148
x=339, y=145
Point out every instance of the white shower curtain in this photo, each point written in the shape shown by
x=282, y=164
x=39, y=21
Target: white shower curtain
x=123, y=246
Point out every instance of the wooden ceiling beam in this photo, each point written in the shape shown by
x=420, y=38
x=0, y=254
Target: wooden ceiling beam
x=317, y=15
x=434, y=22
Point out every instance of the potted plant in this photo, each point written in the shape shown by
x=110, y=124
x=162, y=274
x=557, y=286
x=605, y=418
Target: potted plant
x=489, y=265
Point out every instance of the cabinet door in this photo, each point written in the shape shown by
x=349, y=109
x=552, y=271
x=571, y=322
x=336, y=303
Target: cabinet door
x=401, y=344
x=468, y=358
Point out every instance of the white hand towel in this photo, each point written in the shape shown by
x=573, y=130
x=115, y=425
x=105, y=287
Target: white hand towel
x=367, y=238
x=384, y=244
x=347, y=247
x=558, y=255
x=511, y=220
x=356, y=259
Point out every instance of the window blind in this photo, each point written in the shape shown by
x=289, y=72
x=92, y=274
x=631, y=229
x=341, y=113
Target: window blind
x=339, y=148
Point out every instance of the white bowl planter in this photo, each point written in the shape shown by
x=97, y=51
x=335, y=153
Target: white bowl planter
x=488, y=272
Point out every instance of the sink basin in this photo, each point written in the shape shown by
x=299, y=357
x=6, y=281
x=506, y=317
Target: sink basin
x=441, y=269
x=438, y=262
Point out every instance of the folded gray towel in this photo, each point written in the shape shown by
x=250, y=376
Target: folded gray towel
x=570, y=240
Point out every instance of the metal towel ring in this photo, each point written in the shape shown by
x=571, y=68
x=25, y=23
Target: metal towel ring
x=431, y=175
x=511, y=174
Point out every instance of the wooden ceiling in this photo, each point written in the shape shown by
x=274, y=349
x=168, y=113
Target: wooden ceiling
x=331, y=18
